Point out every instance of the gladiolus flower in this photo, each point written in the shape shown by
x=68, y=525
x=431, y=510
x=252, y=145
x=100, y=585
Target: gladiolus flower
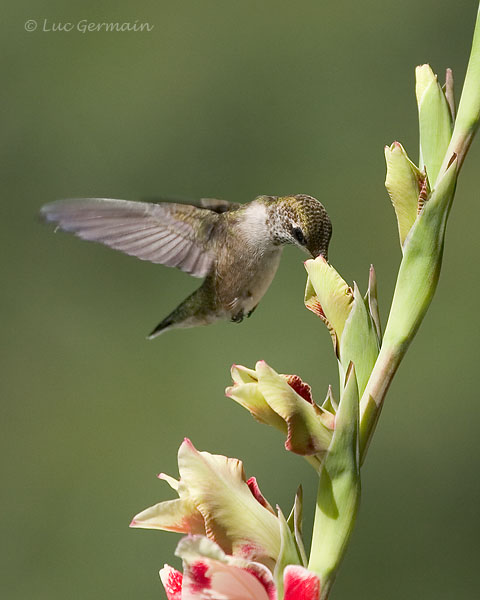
x=216, y=500
x=209, y=573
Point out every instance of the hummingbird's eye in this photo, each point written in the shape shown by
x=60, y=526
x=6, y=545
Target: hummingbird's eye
x=298, y=235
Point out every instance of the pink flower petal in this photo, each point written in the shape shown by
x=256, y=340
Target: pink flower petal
x=172, y=582
x=253, y=485
x=220, y=580
x=265, y=578
x=300, y=584
x=198, y=579
x=299, y=386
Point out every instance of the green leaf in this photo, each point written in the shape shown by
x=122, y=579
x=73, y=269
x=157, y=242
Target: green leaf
x=359, y=341
x=371, y=298
x=295, y=524
x=449, y=93
x=338, y=490
x=435, y=121
x=288, y=554
x=330, y=403
x=468, y=115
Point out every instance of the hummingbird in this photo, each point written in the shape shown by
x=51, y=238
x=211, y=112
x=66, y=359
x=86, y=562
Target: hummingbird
x=235, y=247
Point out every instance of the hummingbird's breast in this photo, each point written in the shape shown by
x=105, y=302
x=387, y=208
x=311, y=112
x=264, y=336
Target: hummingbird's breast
x=247, y=263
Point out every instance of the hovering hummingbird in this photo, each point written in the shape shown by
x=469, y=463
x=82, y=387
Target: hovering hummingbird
x=236, y=247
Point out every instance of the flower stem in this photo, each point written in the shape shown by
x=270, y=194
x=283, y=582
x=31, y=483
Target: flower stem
x=338, y=490
x=468, y=117
x=385, y=368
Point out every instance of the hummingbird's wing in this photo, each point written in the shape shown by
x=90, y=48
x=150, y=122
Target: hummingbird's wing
x=218, y=205
x=175, y=235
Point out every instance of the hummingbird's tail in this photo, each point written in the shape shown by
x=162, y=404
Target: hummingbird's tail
x=167, y=323
x=197, y=309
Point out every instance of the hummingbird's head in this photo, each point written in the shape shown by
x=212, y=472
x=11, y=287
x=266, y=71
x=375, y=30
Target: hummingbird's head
x=303, y=221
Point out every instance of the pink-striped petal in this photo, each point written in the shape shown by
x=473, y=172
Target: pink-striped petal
x=172, y=582
x=253, y=485
x=207, y=579
x=300, y=584
x=211, y=574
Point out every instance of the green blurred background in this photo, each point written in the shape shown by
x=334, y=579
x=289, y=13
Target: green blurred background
x=227, y=99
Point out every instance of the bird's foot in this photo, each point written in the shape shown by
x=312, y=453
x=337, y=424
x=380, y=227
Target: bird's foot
x=238, y=318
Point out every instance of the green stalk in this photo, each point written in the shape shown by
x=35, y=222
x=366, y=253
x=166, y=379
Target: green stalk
x=423, y=250
x=338, y=489
x=416, y=284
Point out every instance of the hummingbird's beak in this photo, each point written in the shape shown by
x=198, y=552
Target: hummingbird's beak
x=314, y=252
